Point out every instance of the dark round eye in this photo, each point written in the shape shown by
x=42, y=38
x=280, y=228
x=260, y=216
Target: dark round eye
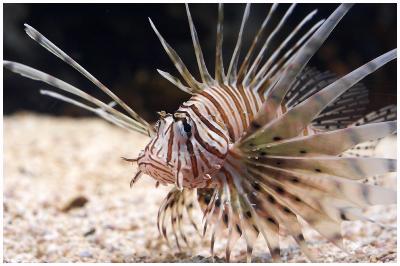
x=186, y=126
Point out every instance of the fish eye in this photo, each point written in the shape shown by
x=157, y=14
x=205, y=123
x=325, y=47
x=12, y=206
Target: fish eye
x=186, y=127
x=183, y=119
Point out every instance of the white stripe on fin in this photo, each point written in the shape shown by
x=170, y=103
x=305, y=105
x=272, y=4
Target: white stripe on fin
x=180, y=66
x=99, y=111
x=205, y=76
x=176, y=82
x=232, y=70
x=277, y=51
x=246, y=61
x=219, y=62
x=270, y=106
x=253, y=69
x=329, y=143
x=47, y=44
x=351, y=168
x=35, y=74
x=296, y=119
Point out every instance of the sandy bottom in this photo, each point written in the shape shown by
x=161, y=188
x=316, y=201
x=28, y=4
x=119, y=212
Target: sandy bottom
x=67, y=199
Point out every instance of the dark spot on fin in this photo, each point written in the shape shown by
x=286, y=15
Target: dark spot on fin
x=276, y=251
x=225, y=218
x=271, y=199
x=207, y=199
x=287, y=210
x=218, y=203
x=272, y=221
x=256, y=186
x=280, y=190
x=343, y=216
x=254, y=124
x=238, y=229
x=256, y=229
x=294, y=180
x=365, y=193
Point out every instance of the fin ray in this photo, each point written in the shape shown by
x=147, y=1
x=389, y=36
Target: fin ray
x=205, y=76
x=47, y=44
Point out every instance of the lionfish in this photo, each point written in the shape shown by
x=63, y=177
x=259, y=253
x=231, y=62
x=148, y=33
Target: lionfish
x=260, y=146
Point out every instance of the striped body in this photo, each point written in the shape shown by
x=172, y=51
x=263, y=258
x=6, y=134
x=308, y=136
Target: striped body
x=255, y=143
x=217, y=117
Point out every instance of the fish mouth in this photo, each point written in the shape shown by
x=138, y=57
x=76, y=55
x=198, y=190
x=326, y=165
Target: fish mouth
x=156, y=168
x=165, y=173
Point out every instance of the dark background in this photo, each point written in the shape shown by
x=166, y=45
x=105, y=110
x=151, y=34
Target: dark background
x=117, y=45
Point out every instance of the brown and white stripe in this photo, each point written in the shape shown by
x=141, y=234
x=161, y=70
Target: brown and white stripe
x=245, y=141
x=221, y=109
